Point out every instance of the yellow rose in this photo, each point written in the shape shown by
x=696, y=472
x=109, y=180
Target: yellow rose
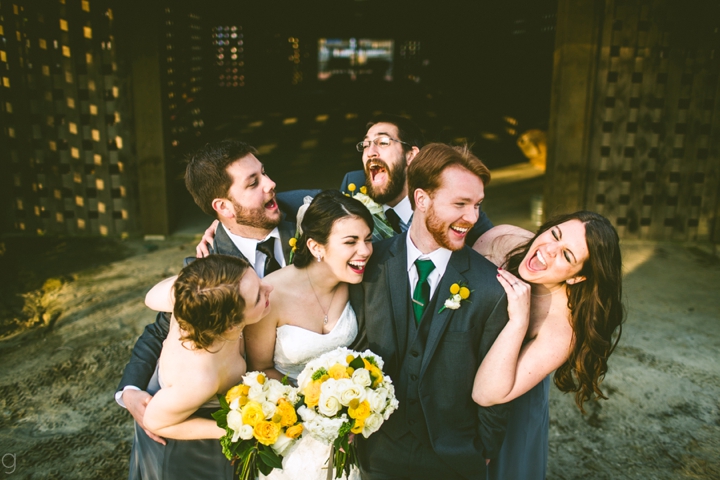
x=266, y=432
x=252, y=413
x=363, y=190
x=361, y=412
x=454, y=288
x=287, y=413
x=312, y=393
x=464, y=293
x=352, y=187
x=358, y=427
x=294, y=431
x=234, y=392
x=338, y=371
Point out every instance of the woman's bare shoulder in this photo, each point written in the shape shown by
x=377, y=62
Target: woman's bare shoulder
x=497, y=242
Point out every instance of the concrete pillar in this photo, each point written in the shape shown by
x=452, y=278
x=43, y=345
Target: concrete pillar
x=577, y=43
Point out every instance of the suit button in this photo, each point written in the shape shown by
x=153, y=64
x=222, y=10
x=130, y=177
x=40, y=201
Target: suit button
x=413, y=377
x=414, y=353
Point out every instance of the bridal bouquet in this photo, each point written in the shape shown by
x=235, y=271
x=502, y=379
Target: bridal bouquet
x=382, y=227
x=261, y=424
x=344, y=393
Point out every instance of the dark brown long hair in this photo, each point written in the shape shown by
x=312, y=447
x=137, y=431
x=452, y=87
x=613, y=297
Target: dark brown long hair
x=595, y=305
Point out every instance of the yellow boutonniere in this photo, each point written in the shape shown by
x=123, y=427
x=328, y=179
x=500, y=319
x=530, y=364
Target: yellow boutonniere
x=458, y=292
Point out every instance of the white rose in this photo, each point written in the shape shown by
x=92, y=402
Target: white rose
x=377, y=399
x=274, y=391
x=250, y=379
x=246, y=432
x=291, y=393
x=369, y=203
x=282, y=444
x=234, y=420
x=328, y=405
x=361, y=377
x=392, y=406
x=256, y=393
x=351, y=392
x=372, y=424
x=269, y=409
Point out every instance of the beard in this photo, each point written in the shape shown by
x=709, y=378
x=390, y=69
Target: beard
x=439, y=231
x=391, y=189
x=255, y=217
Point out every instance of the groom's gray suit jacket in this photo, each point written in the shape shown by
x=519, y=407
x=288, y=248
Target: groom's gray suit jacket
x=433, y=367
x=147, y=349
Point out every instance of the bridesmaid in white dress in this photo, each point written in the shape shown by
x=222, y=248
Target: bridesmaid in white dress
x=310, y=313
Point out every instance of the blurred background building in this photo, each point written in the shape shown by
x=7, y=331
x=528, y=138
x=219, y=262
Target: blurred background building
x=101, y=100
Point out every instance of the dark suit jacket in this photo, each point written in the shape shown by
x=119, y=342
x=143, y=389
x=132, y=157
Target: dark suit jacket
x=461, y=432
x=147, y=349
x=481, y=226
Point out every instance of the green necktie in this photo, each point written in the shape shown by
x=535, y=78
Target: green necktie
x=421, y=295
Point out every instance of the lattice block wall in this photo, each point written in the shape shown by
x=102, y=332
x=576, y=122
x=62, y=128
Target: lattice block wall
x=655, y=142
x=64, y=120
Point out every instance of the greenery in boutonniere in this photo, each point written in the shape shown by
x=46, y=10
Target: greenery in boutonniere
x=458, y=292
x=382, y=227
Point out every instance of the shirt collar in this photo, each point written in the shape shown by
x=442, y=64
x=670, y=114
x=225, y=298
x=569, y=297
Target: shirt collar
x=403, y=210
x=248, y=246
x=439, y=257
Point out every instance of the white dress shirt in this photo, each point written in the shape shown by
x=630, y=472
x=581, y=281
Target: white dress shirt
x=248, y=247
x=439, y=257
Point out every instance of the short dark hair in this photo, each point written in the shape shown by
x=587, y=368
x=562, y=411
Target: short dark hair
x=427, y=167
x=408, y=132
x=326, y=208
x=208, y=299
x=206, y=176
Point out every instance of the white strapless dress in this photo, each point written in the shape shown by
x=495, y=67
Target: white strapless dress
x=294, y=347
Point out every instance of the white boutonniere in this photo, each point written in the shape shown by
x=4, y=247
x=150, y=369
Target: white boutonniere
x=458, y=293
x=382, y=227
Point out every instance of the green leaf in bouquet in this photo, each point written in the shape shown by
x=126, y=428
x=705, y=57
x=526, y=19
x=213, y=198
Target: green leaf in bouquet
x=270, y=458
x=317, y=375
x=223, y=403
x=345, y=428
x=357, y=363
x=229, y=448
x=221, y=418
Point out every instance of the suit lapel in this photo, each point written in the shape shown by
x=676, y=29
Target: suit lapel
x=287, y=231
x=459, y=263
x=398, y=290
x=224, y=246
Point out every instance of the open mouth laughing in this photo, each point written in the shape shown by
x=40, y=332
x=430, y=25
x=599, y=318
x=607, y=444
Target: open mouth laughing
x=537, y=262
x=357, y=266
x=378, y=172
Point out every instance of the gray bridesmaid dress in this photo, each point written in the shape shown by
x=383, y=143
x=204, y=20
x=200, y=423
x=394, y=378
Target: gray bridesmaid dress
x=524, y=453
x=179, y=459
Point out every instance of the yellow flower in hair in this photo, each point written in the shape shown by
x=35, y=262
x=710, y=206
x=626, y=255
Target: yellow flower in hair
x=352, y=187
x=292, y=242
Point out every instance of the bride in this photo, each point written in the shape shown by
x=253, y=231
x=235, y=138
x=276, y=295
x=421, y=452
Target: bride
x=310, y=313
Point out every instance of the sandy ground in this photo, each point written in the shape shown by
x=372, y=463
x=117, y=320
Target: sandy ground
x=58, y=418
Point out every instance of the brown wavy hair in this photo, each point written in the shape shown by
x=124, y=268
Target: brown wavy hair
x=596, y=308
x=208, y=300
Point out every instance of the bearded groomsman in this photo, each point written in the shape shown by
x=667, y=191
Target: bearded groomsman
x=227, y=181
x=431, y=350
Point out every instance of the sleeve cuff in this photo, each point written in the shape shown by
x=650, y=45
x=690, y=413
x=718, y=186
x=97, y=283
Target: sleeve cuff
x=119, y=394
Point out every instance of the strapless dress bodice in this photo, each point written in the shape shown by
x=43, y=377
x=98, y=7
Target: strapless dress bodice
x=295, y=346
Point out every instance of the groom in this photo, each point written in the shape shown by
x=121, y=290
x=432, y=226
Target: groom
x=431, y=352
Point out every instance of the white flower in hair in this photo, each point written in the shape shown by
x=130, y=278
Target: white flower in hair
x=301, y=213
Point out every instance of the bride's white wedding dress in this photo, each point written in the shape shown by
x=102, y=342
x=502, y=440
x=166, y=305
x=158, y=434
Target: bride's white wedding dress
x=294, y=347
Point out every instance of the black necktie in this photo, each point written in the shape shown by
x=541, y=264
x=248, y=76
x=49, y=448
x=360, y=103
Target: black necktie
x=394, y=220
x=268, y=248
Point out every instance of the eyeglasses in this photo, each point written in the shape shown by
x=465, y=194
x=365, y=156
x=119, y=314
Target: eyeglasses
x=380, y=142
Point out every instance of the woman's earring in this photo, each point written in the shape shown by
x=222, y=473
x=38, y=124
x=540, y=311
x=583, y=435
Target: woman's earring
x=319, y=257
